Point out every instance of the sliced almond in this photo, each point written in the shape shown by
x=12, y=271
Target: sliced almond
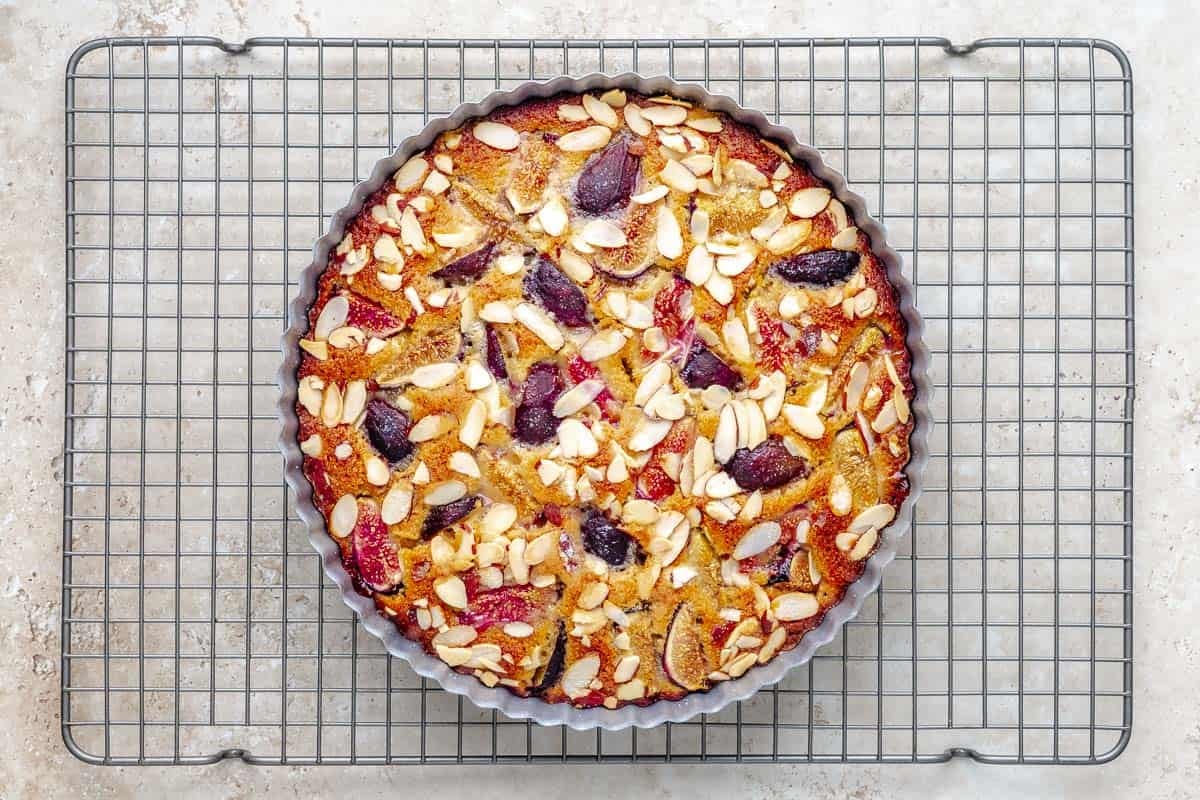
x=846, y=239
x=840, y=497
x=333, y=315
x=789, y=237
x=518, y=630
x=411, y=232
x=735, y=264
x=757, y=539
x=726, y=439
x=600, y=111
x=856, y=385
x=354, y=400
x=496, y=135
x=410, y=173
x=700, y=265
x=794, y=606
x=865, y=544
x=377, y=471
x=578, y=397
x=430, y=427
x=477, y=376
x=344, y=516
x=347, y=337
x=309, y=392
x=540, y=324
x=807, y=203
x=553, y=215
x=804, y=421
x=602, y=345
x=397, y=503
x=886, y=419
x=471, y=430
x=770, y=224
x=636, y=121
x=653, y=194
x=658, y=376
x=668, y=237
x=434, y=376
x=602, y=233
x=575, y=266
x=331, y=406
x=737, y=341
x=497, y=311
x=720, y=287
x=678, y=177
x=569, y=112
x=452, y=591
x=876, y=516
x=576, y=681
x=317, y=349
x=705, y=124
x=699, y=164
x=312, y=446
x=390, y=281
x=664, y=115
x=648, y=433
x=436, y=183
x=440, y=494
x=576, y=440
x=585, y=140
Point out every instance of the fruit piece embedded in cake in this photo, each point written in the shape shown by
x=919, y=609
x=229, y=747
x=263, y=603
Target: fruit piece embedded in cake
x=605, y=400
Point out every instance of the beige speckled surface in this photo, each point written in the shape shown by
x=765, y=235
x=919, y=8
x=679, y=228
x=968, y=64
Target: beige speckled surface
x=1163, y=759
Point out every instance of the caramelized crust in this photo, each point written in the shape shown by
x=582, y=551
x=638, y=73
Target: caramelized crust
x=605, y=400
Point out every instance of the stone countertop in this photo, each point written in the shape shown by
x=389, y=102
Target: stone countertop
x=1163, y=759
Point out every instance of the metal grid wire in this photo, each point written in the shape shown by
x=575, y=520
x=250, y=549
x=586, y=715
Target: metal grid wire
x=197, y=622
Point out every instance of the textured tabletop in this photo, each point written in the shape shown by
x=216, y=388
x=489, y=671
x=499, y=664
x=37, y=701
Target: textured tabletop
x=1162, y=759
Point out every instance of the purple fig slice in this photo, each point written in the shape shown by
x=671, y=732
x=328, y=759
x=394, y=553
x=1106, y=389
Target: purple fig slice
x=468, y=268
x=765, y=467
x=818, y=268
x=684, y=658
x=605, y=540
x=557, y=293
x=704, y=368
x=387, y=429
x=549, y=673
x=375, y=553
x=442, y=517
x=608, y=180
x=534, y=421
x=493, y=354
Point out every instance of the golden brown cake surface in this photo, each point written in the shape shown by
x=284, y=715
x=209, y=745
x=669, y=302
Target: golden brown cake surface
x=604, y=399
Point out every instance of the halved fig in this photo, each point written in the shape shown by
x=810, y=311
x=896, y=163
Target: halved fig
x=371, y=318
x=375, y=553
x=493, y=354
x=557, y=293
x=684, y=658
x=608, y=179
x=548, y=674
x=818, y=268
x=387, y=429
x=496, y=607
x=704, y=368
x=765, y=467
x=468, y=268
x=442, y=517
x=534, y=421
x=605, y=540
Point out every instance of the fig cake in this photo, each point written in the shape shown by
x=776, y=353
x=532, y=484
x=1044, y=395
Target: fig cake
x=605, y=399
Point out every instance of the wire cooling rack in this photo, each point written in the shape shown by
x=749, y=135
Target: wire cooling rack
x=197, y=623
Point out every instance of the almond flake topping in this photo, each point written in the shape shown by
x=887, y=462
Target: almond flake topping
x=496, y=135
x=585, y=140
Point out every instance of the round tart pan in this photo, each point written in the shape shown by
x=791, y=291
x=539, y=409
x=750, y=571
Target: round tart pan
x=534, y=708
